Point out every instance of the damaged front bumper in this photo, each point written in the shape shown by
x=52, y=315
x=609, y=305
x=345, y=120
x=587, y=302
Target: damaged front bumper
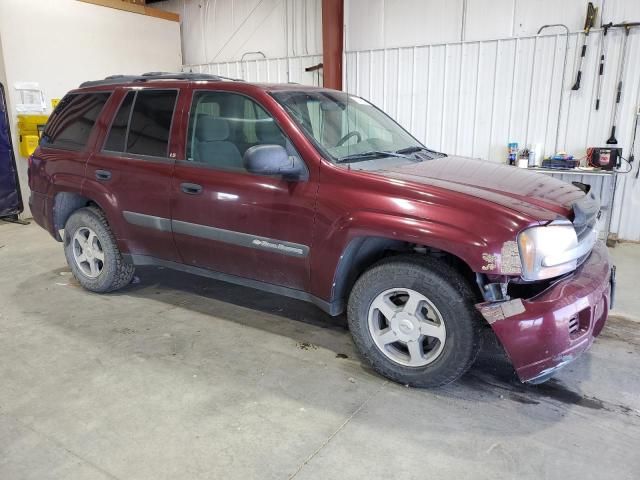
x=546, y=332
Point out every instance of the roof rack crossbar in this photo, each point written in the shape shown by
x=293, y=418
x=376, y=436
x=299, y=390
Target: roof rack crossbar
x=145, y=77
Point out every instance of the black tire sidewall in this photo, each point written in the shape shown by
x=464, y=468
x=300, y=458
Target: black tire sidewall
x=447, y=291
x=104, y=282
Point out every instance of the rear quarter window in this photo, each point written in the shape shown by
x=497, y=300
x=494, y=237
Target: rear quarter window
x=71, y=123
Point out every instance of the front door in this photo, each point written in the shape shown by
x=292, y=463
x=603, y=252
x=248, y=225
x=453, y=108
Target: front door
x=132, y=171
x=228, y=220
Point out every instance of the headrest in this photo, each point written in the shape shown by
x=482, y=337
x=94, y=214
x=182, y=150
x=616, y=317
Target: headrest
x=268, y=132
x=212, y=129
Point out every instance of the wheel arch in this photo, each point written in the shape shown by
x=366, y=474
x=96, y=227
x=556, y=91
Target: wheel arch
x=364, y=251
x=66, y=203
x=364, y=237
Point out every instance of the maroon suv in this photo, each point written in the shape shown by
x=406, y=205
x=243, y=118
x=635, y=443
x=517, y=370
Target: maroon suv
x=318, y=195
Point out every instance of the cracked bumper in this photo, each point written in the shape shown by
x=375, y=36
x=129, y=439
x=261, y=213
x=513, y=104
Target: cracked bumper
x=544, y=333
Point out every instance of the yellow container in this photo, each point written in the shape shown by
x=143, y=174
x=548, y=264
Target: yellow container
x=30, y=128
x=28, y=144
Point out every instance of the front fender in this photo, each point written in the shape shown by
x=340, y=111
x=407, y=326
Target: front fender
x=454, y=239
x=335, y=246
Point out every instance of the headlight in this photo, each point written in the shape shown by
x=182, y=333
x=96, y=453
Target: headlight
x=546, y=252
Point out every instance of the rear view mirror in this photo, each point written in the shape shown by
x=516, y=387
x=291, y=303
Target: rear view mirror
x=272, y=160
x=331, y=107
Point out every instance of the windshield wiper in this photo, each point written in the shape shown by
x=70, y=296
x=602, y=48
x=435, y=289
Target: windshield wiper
x=371, y=154
x=416, y=148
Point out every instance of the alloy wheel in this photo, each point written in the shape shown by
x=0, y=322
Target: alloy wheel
x=87, y=252
x=407, y=327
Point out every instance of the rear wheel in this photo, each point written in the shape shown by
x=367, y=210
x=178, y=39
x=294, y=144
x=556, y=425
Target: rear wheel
x=92, y=252
x=413, y=319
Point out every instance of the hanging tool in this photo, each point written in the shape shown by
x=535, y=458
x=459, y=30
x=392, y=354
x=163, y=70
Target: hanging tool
x=633, y=142
x=603, y=53
x=621, y=63
x=592, y=12
x=632, y=147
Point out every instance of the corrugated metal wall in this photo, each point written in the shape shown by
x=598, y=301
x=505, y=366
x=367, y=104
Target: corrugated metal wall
x=472, y=98
x=221, y=31
x=274, y=70
x=405, y=23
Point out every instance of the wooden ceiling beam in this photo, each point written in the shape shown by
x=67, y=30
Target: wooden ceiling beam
x=134, y=8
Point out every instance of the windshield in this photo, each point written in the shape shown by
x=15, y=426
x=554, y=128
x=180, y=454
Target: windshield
x=349, y=129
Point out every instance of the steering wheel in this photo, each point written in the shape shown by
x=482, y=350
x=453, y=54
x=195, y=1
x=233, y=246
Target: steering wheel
x=344, y=139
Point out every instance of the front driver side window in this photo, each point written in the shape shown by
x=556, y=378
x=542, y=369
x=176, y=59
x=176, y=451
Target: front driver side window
x=223, y=125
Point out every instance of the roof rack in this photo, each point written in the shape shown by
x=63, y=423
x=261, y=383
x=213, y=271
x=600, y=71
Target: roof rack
x=145, y=77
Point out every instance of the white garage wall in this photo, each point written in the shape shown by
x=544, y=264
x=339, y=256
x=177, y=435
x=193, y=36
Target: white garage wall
x=472, y=98
x=255, y=40
x=3, y=73
x=220, y=31
x=60, y=43
x=268, y=70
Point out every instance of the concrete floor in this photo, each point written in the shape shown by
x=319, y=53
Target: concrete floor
x=180, y=377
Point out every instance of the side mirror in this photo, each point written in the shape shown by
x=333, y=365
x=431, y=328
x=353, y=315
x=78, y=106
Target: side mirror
x=272, y=160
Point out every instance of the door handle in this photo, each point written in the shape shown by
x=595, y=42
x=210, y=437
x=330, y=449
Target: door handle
x=103, y=175
x=191, y=188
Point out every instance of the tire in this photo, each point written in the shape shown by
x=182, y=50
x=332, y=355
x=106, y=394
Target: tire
x=445, y=306
x=89, y=225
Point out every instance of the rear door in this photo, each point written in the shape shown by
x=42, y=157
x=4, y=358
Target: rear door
x=131, y=171
x=59, y=163
x=227, y=219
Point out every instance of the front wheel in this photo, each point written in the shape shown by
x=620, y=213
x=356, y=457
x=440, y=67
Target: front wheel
x=92, y=252
x=413, y=319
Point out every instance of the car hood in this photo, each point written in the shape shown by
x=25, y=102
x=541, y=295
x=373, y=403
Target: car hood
x=530, y=193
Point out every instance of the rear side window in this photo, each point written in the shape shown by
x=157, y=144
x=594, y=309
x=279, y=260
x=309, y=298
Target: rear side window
x=73, y=119
x=142, y=124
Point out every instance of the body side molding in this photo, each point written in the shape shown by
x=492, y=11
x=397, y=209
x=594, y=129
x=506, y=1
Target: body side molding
x=240, y=239
x=217, y=234
x=148, y=221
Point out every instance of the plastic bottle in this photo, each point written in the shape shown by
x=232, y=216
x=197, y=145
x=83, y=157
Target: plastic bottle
x=513, y=152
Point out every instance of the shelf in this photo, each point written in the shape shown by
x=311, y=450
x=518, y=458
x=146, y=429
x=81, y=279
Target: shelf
x=573, y=171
